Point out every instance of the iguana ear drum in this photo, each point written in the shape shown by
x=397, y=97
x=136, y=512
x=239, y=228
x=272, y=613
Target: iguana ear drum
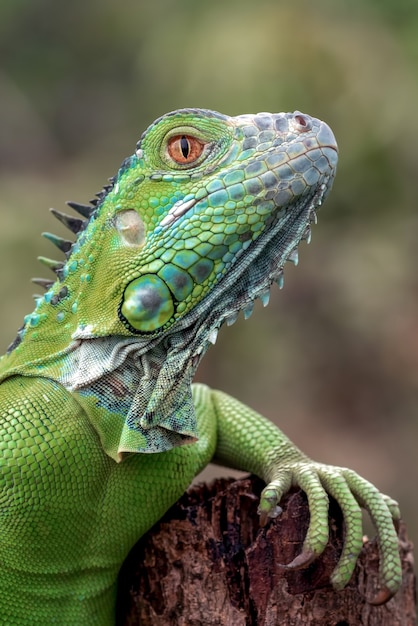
x=147, y=303
x=151, y=300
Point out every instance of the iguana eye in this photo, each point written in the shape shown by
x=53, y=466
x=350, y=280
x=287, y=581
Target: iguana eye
x=184, y=149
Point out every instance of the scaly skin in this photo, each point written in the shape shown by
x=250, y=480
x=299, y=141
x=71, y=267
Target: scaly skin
x=96, y=393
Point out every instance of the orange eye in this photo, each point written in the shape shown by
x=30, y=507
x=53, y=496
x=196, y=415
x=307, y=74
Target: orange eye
x=184, y=149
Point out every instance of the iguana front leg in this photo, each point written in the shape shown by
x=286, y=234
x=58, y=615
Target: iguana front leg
x=247, y=441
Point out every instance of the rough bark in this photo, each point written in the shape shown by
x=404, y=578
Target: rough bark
x=208, y=562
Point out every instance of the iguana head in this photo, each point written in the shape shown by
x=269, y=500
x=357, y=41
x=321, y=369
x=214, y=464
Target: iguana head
x=218, y=207
x=196, y=225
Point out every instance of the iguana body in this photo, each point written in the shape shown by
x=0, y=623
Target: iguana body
x=96, y=390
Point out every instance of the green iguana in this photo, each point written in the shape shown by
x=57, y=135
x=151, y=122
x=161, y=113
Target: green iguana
x=101, y=429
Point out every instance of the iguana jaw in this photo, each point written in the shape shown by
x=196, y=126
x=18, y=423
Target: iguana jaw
x=252, y=276
x=263, y=262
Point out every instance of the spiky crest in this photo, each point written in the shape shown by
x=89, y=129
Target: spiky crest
x=43, y=282
x=72, y=223
x=76, y=226
x=86, y=210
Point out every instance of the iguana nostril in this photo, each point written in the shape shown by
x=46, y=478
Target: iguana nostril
x=302, y=121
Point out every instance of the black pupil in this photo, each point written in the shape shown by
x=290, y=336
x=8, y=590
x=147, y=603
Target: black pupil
x=184, y=145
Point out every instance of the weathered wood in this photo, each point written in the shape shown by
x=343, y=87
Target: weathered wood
x=208, y=562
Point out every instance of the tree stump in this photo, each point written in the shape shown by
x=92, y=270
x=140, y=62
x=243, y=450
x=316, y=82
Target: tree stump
x=208, y=562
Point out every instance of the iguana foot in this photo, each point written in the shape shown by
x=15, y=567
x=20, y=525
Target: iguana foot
x=352, y=493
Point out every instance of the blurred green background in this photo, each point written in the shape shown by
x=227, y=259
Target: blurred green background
x=334, y=358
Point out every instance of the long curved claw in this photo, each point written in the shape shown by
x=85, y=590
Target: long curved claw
x=383, y=595
x=302, y=560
